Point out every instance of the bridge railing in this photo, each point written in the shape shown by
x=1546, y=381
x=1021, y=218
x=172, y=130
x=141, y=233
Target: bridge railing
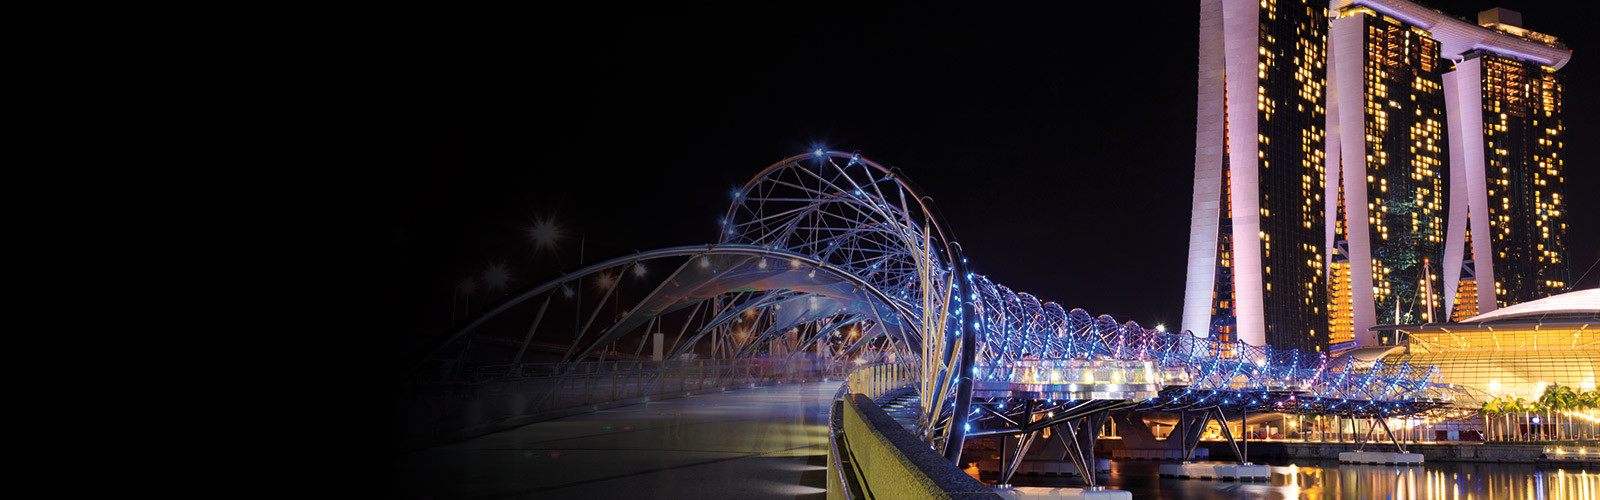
x=872, y=456
x=876, y=379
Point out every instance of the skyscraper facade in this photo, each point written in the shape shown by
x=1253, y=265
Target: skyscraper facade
x=1387, y=153
x=1256, y=267
x=1375, y=190
x=1512, y=210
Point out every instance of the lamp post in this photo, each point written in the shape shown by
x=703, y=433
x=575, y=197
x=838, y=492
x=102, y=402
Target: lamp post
x=465, y=287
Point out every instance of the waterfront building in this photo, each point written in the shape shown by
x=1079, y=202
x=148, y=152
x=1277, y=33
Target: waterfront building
x=1440, y=116
x=1513, y=351
x=1256, y=261
x=1400, y=166
x=1513, y=171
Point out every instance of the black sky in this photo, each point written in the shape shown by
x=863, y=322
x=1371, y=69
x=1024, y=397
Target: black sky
x=1057, y=138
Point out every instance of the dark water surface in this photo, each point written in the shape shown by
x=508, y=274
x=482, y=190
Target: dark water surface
x=1329, y=479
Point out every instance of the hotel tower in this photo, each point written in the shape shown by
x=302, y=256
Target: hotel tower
x=1405, y=168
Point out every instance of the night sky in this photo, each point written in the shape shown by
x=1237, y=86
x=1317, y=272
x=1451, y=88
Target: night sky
x=1057, y=138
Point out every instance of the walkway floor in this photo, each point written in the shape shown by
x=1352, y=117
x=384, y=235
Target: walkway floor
x=767, y=442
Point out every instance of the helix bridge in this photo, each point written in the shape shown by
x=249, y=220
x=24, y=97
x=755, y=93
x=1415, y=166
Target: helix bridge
x=834, y=259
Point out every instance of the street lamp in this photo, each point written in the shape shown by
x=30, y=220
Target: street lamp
x=543, y=233
x=465, y=287
x=497, y=277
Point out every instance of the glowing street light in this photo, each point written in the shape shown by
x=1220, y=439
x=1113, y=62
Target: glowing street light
x=544, y=233
x=497, y=277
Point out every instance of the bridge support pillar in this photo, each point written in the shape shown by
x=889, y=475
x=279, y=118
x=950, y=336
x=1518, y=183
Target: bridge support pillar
x=1227, y=433
x=1192, y=428
x=1009, y=459
x=1397, y=443
x=1078, y=436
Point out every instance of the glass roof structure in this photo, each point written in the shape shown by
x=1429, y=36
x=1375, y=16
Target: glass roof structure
x=1513, y=351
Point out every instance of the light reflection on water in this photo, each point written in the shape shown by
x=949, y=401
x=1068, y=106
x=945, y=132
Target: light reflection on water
x=1329, y=479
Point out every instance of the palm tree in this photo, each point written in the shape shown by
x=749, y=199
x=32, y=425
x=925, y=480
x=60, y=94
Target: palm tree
x=1502, y=408
x=1589, y=400
x=1484, y=411
x=1546, y=402
x=1592, y=401
x=1505, y=410
x=1566, y=401
x=1518, y=408
x=1537, y=407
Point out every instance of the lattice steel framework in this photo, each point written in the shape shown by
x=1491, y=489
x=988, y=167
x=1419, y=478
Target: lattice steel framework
x=829, y=255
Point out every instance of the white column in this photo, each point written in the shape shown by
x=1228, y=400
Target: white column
x=1242, y=41
x=1203, y=216
x=1465, y=112
x=1346, y=68
x=1330, y=166
x=1455, y=227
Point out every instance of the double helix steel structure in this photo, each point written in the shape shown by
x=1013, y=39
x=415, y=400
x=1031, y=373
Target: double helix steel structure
x=1043, y=367
x=832, y=258
x=1021, y=333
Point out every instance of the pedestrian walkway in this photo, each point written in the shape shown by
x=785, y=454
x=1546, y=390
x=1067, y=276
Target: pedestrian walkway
x=765, y=442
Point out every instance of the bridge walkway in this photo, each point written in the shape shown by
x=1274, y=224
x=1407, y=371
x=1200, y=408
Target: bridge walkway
x=763, y=442
x=904, y=406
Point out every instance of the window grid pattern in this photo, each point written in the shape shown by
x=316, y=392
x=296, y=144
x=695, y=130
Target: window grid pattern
x=1406, y=173
x=1523, y=142
x=1290, y=82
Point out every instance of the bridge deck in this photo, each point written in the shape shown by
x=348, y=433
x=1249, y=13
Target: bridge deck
x=766, y=442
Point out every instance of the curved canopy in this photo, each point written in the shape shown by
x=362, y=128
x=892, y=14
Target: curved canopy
x=1577, y=303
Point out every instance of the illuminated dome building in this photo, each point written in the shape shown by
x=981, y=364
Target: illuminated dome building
x=1513, y=351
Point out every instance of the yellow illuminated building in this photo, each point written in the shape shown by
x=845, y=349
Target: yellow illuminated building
x=1466, y=301
x=1514, y=351
x=1340, y=327
x=1466, y=296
